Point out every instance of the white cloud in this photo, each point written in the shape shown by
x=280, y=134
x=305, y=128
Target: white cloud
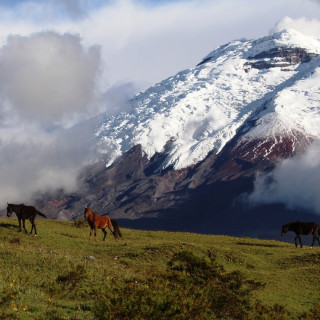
x=295, y=182
x=145, y=43
x=34, y=161
x=47, y=82
x=47, y=76
x=310, y=27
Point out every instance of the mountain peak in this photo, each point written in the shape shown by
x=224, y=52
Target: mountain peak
x=287, y=38
x=238, y=87
x=295, y=39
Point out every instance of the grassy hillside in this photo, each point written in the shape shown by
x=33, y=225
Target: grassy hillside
x=59, y=274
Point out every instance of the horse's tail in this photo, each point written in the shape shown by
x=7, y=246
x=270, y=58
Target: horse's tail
x=109, y=224
x=41, y=214
x=117, y=232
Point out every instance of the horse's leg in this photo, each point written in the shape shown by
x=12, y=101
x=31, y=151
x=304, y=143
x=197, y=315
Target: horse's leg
x=34, y=226
x=313, y=239
x=19, y=224
x=95, y=233
x=24, y=225
x=90, y=233
x=300, y=241
x=105, y=233
x=315, y=235
x=295, y=241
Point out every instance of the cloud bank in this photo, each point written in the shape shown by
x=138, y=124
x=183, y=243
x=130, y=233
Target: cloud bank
x=40, y=163
x=176, y=35
x=47, y=84
x=295, y=183
x=304, y=25
x=146, y=41
x=48, y=77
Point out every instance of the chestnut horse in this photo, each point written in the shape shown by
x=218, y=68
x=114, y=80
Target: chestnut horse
x=24, y=212
x=300, y=228
x=97, y=222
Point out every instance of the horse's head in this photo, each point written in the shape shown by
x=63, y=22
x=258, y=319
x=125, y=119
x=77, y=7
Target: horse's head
x=9, y=210
x=86, y=212
x=284, y=229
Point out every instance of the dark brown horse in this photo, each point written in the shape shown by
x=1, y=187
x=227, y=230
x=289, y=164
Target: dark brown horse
x=97, y=222
x=302, y=228
x=24, y=212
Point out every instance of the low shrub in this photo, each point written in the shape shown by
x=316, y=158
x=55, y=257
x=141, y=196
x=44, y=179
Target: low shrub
x=191, y=288
x=79, y=223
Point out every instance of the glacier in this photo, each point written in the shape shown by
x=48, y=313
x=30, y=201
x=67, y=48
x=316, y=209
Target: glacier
x=201, y=109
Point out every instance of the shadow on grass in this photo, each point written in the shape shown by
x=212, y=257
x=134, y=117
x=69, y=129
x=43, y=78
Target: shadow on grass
x=9, y=226
x=259, y=245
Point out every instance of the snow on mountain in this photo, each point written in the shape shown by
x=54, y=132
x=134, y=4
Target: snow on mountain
x=268, y=88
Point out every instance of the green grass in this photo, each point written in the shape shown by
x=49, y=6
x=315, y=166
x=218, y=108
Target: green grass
x=51, y=276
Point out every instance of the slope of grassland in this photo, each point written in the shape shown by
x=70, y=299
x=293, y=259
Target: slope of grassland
x=59, y=274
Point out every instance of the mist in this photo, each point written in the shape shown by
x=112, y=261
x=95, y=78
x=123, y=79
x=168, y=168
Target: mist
x=47, y=86
x=40, y=163
x=304, y=25
x=295, y=182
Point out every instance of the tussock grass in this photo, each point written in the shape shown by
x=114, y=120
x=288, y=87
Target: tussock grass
x=59, y=274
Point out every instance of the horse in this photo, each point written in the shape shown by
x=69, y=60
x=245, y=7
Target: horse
x=302, y=228
x=24, y=212
x=97, y=222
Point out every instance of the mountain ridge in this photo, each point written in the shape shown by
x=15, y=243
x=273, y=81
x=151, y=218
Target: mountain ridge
x=200, y=109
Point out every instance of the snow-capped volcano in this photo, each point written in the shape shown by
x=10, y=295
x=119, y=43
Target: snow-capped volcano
x=268, y=88
x=192, y=145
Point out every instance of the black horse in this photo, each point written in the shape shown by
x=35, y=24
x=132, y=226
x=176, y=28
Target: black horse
x=24, y=212
x=302, y=228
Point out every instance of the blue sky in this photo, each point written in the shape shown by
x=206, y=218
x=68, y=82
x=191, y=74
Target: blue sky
x=70, y=9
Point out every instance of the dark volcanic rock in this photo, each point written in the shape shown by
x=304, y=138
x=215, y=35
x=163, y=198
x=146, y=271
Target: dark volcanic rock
x=279, y=57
